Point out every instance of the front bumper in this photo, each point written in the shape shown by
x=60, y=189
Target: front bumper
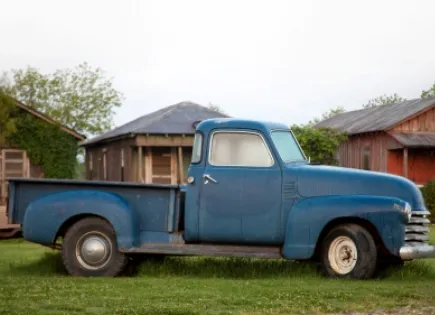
x=417, y=252
x=417, y=238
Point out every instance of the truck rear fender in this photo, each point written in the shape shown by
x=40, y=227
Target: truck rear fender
x=48, y=217
x=311, y=219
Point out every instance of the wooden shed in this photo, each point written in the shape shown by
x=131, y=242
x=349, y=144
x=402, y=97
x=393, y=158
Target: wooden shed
x=396, y=138
x=154, y=148
x=14, y=162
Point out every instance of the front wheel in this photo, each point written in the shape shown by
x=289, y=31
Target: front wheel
x=89, y=249
x=349, y=251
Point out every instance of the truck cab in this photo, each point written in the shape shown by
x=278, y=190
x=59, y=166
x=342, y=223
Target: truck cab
x=250, y=192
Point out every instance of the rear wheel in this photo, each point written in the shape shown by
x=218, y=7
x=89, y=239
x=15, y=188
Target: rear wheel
x=89, y=249
x=349, y=251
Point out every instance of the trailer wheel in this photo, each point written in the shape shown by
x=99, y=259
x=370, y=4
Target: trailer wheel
x=89, y=249
x=349, y=251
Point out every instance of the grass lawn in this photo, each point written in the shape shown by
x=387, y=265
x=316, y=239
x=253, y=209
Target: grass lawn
x=32, y=281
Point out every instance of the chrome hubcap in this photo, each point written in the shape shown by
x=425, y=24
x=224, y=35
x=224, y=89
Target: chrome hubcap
x=93, y=250
x=342, y=255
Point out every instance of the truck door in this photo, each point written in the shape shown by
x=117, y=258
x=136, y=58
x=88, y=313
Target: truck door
x=240, y=197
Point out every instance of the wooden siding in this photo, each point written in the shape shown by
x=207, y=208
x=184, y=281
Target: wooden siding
x=104, y=162
x=421, y=164
x=161, y=165
x=375, y=144
x=165, y=141
x=423, y=122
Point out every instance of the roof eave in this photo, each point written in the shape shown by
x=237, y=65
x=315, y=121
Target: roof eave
x=44, y=117
x=90, y=143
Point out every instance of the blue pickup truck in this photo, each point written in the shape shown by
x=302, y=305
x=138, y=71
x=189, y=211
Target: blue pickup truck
x=250, y=192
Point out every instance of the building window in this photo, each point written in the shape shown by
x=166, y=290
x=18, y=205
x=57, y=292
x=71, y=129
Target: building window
x=122, y=164
x=91, y=165
x=105, y=164
x=366, y=158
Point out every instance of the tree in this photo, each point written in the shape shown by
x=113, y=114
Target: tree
x=320, y=144
x=428, y=93
x=216, y=108
x=81, y=98
x=8, y=112
x=383, y=100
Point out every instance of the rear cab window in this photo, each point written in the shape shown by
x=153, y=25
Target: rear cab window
x=197, y=148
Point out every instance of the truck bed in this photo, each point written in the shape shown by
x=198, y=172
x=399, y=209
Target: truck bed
x=154, y=203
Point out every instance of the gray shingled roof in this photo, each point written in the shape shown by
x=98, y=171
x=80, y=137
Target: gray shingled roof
x=174, y=119
x=415, y=139
x=377, y=118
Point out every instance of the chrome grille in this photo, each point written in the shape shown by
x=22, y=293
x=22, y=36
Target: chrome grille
x=416, y=231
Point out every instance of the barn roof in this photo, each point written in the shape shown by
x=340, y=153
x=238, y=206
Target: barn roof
x=377, y=118
x=36, y=113
x=174, y=119
x=415, y=139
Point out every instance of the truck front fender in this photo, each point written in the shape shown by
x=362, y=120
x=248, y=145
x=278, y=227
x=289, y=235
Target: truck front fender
x=45, y=216
x=310, y=217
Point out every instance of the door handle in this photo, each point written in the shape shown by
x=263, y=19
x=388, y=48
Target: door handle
x=209, y=178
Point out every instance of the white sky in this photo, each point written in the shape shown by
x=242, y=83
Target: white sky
x=286, y=61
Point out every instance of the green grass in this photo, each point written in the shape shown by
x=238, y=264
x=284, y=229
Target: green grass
x=32, y=281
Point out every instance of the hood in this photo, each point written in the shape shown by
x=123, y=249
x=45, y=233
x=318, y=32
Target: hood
x=319, y=180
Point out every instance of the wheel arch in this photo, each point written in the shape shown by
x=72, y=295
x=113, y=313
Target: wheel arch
x=369, y=226
x=66, y=225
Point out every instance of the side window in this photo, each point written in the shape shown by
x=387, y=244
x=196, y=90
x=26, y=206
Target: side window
x=239, y=149
x=197, y=148
x=366, y=158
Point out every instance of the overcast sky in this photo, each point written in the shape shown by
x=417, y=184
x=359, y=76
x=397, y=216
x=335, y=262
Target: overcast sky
x=286, y=61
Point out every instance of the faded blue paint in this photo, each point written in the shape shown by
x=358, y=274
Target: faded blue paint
x=237, y=206
x=149, y=237
x=287, y=204
x=57, y=208
x=310, y=216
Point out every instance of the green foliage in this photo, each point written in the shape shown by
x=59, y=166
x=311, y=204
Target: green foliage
x=320, y=144
x=80, y=98
x=429, y=92
x=8, y=110
x=46, y=144
x=428, y=192
x=384, y=100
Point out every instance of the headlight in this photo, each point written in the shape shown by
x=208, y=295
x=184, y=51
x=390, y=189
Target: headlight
x=407, y=211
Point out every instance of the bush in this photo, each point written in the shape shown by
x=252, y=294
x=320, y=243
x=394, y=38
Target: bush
x=428, y=192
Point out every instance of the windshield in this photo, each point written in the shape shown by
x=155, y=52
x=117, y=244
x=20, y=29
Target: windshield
x=287, y=146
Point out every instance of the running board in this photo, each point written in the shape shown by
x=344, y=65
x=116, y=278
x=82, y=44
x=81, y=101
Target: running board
x=272, y=252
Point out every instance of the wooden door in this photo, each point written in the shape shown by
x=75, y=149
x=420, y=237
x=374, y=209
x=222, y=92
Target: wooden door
x=163, y=165
x=14, y=163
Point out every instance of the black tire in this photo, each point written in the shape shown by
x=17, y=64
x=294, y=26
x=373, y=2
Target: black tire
x=353, y=237
x=71, y=254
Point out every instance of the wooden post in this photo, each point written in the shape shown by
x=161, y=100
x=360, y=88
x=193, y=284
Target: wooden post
x=173, y=166
x=139, y=164
x=181, y=165
x=405, y=162
x=148, y=166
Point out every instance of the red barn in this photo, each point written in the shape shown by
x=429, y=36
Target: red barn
x=396, y=138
